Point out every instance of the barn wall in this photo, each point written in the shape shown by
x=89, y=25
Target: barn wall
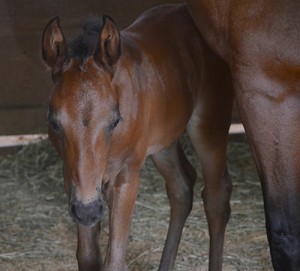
x=25, y=84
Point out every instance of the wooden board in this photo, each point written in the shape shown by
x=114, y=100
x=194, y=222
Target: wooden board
x=19, y=140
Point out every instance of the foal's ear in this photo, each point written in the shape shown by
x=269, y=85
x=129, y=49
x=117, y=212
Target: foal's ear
x=53, y=44
x=108, y=49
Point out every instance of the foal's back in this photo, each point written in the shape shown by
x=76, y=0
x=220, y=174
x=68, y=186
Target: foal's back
x=166, y=51
x=168, y=35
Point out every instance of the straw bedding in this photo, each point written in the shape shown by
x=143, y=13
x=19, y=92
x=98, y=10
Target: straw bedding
x=36, y=232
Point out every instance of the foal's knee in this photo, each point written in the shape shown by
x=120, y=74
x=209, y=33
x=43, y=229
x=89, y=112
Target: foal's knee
x=88, y=258
x=88, y=264
x=215, y=207
x=217, y=201
x=182, y=198
x=187, y=199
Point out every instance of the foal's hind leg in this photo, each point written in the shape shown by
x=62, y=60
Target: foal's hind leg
x=208, y=130
x=217, y=189
x=180, y=178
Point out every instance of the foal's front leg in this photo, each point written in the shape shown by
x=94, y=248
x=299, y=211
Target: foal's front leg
x=88, y=252
x=121, y=200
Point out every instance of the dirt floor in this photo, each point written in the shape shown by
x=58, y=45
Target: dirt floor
x=36, y=232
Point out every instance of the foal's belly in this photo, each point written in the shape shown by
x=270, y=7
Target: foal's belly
x=154, y=148
x=167, y=130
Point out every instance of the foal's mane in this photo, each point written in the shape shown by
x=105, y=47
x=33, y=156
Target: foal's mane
x=84, y=45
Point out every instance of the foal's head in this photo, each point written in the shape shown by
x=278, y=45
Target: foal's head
x=83, y=109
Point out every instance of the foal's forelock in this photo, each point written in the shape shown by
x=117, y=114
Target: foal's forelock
x=84, y=45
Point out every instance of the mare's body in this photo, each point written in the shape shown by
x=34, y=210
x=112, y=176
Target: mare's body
x=260, y=41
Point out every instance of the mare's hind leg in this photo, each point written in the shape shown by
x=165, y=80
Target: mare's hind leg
x=180, y=178
x=208, y=130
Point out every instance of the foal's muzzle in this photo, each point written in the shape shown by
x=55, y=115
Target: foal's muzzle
x=86, y=214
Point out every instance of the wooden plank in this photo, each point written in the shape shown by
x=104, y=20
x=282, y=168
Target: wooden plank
x=236, y=128
x=19, y=140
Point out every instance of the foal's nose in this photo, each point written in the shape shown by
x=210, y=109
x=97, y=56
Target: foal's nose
x=86, y=214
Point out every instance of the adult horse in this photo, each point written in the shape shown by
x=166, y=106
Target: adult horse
x=120, y=96
x=260, y=40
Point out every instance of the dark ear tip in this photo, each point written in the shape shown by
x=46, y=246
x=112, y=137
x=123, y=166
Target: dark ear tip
x=49, y=26
x=55, y=20
x=108, y=18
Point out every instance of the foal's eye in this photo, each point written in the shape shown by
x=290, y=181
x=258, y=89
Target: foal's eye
x=114, y=124
x=54, y=125
x=52, y=121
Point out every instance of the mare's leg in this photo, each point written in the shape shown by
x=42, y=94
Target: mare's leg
x=208, y=130
x=180, y=178
x=121, y=200
x=270, y=110
x=88, y=252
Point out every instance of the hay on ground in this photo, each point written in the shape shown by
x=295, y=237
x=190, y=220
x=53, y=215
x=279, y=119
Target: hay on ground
x=36, y=233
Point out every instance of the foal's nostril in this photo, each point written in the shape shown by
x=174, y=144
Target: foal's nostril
x=86, y=214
